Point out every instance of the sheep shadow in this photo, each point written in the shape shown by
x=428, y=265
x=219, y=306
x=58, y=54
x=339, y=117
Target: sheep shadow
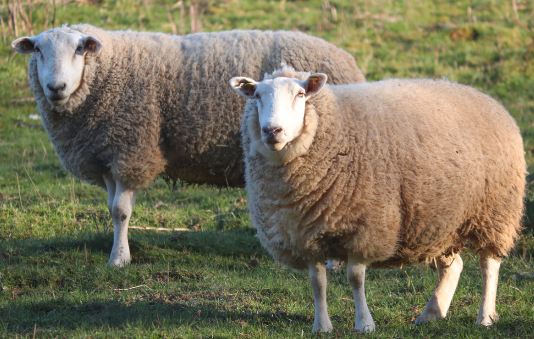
x=152, y=310
x=143, y=244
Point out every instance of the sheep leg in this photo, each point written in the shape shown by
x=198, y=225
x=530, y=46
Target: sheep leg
x=441, y=298
x=111, y=187
x=317, y=272
x=121, y=211
x=356, y=277
x=489, y=266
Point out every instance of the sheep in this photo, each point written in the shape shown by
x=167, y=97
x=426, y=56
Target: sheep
x=380, y=175
x=123, y=107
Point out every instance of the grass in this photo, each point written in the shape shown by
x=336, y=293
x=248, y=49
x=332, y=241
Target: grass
x=216, y=281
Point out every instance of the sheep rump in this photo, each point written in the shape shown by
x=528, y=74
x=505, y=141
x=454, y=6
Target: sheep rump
x=152, y=103
x=399, y=171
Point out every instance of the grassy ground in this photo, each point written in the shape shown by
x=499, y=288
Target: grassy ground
x=217, y=281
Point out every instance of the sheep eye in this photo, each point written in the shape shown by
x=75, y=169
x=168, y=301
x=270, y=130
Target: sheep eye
x=37, y=50
x=79, y=49
x=300, y=95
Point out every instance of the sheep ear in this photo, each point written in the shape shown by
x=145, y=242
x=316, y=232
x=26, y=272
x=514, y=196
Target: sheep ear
x=24, y=45
x=315, y=83
x=245, y=87
x=91, y=44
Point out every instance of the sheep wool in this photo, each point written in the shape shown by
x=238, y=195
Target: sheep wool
x=398, y=171
x=152, y=103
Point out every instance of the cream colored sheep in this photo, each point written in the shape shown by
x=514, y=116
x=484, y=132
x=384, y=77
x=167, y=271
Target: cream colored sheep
x=122, y=107
x=381, y=174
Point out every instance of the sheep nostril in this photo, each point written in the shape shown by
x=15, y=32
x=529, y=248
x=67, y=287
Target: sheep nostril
x=56, y=88
x=275, y=130
x=51, y=88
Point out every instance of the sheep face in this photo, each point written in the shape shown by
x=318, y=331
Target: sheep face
x=281, y=105
x=60, y=60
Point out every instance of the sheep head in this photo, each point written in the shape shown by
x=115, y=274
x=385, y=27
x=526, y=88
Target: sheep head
x=281, y=105
x=60, y=60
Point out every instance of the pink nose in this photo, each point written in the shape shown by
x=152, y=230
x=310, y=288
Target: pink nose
x=272, y=135
x=272, y=130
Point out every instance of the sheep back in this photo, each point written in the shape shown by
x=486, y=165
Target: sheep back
x=399, y=171
x=153, y=103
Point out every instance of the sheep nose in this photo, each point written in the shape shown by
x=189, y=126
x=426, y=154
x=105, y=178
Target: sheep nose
x=56, y=88
x=272, y=130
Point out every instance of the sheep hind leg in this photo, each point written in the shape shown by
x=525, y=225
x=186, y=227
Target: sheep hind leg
x=111, y=187
x=489, y=267
x=121, y=212
x=441, y=298
x=356, y=277
x=317, y=273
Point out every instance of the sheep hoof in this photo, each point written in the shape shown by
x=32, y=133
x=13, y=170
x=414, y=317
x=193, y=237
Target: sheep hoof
x=117, y=262
x=365, y=328
x=487, y=320
x=428, y=317
x=327, y=327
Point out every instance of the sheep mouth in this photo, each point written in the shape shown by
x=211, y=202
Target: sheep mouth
x=276, y=146
x=274, y=142
x=57, y=100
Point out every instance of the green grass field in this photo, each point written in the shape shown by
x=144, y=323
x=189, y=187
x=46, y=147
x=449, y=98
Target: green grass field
x=216, y=281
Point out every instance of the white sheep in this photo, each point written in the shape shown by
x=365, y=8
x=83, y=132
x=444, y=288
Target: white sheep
x=380, y=175
x=122, y=107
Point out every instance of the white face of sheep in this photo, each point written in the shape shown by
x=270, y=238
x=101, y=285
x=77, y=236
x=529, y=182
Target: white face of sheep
x=60, y=60
x=281, y=105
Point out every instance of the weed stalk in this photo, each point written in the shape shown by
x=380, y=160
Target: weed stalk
x=13, y=14
x=171, y=22
x=36, y=190
x=3, y=30
x=20, y=198
x=192, y=14
x=54, y=17
x=31, y=16
x=85, y=250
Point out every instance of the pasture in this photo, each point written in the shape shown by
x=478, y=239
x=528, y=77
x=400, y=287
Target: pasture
x=215, y=281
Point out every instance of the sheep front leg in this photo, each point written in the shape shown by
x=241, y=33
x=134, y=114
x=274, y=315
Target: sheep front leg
x=441, y=298
x=356, y=277
x=489, y=267
x=317, y=272
x=121, y=211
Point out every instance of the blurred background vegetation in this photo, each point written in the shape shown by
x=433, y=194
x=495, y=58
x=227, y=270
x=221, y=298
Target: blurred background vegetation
x=487, y=44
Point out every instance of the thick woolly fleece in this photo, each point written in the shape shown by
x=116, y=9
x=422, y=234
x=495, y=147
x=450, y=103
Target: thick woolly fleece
x=397, y=171
x=152, y=103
